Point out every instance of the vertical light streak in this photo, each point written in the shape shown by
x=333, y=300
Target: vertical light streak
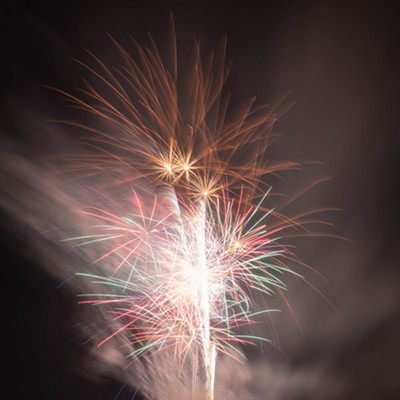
x=204, y=299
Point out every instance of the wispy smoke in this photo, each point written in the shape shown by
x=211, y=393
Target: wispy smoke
x=319, y=364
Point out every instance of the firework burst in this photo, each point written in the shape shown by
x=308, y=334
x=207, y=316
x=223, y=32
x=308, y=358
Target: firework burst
x=185, y=263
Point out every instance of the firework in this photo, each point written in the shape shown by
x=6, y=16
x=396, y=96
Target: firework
x=192, y=248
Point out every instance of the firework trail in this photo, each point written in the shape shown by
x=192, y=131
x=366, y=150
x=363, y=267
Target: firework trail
x=185, y=260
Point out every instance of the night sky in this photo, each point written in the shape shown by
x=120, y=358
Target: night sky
x=338, y=63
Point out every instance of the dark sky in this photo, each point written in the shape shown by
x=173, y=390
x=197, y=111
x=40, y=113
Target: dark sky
x=338, y=60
